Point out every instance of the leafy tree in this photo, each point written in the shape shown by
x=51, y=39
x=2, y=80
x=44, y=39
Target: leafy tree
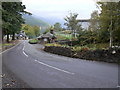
x=36, y=30
x=109, y=21
x=31, y=31
x=57, y=26
x=94, y=21
x=72, y=23
x=12, y=17
x=93, y=27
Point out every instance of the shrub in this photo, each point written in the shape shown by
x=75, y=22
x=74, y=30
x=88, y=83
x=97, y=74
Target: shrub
x=33, y=41
x=80, y=48
x=52, y=44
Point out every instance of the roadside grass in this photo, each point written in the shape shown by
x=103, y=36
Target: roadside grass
x=99, y=45
x=57, y=45
x=7, y=44
x=64, y=37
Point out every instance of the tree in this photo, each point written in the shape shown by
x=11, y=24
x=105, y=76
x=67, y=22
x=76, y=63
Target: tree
x=36, y=30
x=109, y=24
x=12, y=18
x=72, y=23
x=57, y=26
x=94, y=26
x=94, y=21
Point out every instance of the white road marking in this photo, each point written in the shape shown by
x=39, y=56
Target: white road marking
x=55, y=67
x=25, y=54
x=10, y=48
x=118, y=86
x=23, y=47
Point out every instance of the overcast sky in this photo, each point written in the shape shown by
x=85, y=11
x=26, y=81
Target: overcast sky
x=60, y=8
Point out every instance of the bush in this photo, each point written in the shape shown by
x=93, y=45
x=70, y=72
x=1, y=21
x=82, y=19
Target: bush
x=80, y=48
x=33, y=41
x=57, y=45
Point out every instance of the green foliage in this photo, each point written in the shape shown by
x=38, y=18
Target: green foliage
x=72, y=23
x=7, y=44
x=31, y=31
x=32, y=21
x=57, y=45
x=57, y=26
x=33, y=41
x=35, y=21
x=53, y=44
x=36, y=30
x=64, y=36
x=80, y=48
x=12, y=17
x=109, y=22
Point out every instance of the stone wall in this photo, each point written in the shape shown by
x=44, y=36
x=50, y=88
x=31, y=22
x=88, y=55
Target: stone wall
x=110, y=55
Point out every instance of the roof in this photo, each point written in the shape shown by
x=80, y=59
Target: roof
x=47, y=35
x=21, y=34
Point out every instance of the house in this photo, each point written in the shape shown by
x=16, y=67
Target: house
x=47, y=38
x=22, y=35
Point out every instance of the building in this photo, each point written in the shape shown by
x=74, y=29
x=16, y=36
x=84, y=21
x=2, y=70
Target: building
x=22, y=35
x=47, y=38
x=85, y=23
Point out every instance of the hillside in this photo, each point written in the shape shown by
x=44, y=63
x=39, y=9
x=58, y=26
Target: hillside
x=32, y=20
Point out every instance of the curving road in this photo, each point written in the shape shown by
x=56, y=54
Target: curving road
x=43, y=70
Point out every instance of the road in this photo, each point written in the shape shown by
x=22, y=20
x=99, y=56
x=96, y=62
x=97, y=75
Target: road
x=43, y=70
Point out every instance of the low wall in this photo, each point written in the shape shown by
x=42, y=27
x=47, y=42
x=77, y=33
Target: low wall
x=59, y=50
x=96, y=55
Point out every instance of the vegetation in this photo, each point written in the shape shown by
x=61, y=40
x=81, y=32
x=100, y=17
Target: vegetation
x=31, y=31
x=33, y=41
x=35, y=21
x=57, y=27
x=12, y=18
x=104, y=27
x=109, y=25
x=73, y=24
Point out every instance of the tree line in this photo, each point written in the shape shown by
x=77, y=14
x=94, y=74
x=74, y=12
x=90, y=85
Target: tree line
x=104, y=26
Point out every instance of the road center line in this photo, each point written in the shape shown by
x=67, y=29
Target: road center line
x=25, y=54
x=55, y=67
x=23, y=47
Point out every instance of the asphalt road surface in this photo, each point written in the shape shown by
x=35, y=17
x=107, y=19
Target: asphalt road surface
x=43, y=70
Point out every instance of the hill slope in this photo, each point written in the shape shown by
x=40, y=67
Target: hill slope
x=32, y=20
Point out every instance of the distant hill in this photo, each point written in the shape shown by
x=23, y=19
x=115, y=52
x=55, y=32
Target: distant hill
x=51, y=20
x=32, y=20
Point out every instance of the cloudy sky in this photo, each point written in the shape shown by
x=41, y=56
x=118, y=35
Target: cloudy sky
x=60, y=8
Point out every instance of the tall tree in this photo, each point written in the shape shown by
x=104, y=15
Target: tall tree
x=12, y=17
x=57, y=26
x=36, y=30
x=109, y=24
x=94, y=21
x=94, y=25
x=72, y=23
